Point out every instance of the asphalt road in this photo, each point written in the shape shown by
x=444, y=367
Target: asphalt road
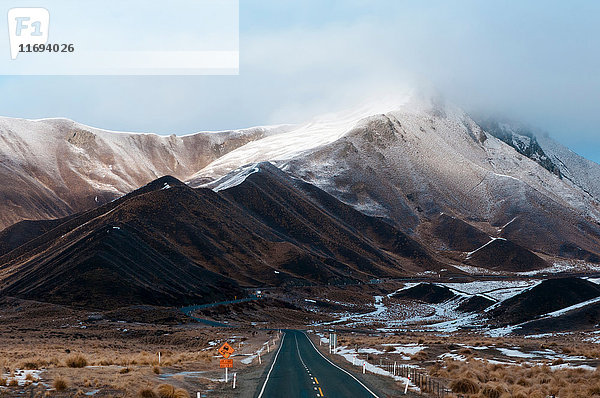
x=298, y=370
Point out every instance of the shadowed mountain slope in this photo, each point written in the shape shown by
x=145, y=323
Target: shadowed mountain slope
x=502, y=254
x=169, y=244
x=550, y=295
x=427, y=293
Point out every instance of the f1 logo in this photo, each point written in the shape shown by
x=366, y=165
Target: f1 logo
x=27, y=26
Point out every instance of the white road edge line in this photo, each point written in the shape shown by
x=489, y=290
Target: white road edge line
x=300, y=356
x=262, y=390
x=343, y=370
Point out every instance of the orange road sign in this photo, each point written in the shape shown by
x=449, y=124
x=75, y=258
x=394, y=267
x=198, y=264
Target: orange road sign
x=226, y=363
x=226, y=350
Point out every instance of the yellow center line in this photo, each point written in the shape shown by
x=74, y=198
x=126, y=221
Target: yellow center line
x=320, y=391
x=316, y=381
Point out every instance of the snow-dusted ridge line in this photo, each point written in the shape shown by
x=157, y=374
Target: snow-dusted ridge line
x=274, y=127
x=469, y=254
x=571, y=308
x=296, y=140
x=233, y=179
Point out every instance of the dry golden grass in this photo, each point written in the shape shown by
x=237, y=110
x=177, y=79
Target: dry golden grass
x=106, y=350
x=464, y=386
x=166, y=391
x=76, y=361
x=60, y=384
x=481, y=379
x=181, y=393
x=420, y=356
x=147, y=393
x=169, y=391
x=31, y=365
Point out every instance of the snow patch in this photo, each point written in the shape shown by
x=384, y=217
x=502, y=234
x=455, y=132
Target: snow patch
x=234, y=178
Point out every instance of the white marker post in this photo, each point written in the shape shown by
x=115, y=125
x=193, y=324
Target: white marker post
x=198, y=395
x=268, y=347
x=159, y=357
x=259, y=360
x=364, y=367
x=406, y=388
x=234, y=380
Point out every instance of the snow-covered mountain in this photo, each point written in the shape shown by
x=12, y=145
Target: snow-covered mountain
x=426, y=158
x=417, y=163
x=55, y=167
x=553, y=156
x=582, y=172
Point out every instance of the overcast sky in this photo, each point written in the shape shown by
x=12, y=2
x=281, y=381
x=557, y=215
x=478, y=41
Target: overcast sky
x=534, y=61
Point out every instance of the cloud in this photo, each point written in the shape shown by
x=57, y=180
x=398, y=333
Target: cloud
x=537, y=62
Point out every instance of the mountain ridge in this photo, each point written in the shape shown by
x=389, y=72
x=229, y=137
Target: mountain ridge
x=169, y=244
x=406, y=166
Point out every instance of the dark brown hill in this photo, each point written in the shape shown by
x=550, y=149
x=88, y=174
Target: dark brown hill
x=585, y=318
x=169, y=244
x=503, y=255
x=23, y=232
x=475, y=303
x=550, y=295
x=455, y=234
x=427, y=293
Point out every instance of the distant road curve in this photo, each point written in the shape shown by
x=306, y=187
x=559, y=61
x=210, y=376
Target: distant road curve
x=189, y=310
x=299, y=370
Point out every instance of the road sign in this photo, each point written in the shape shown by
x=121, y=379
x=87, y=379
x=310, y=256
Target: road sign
x=226, y=363
x=226, y=350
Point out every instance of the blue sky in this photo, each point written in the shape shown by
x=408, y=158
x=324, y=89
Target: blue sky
x=535, y=61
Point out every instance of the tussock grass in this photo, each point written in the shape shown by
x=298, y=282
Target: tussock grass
x=147, y=393
x=464, y=386
x=492, y=391
x=480, y=379
x=31, y=365
x=169, y=391
x=60, y=384
x=76, y=361
x=166, y=391
x=181, y=393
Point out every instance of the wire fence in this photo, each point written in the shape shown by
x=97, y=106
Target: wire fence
x=428, y=385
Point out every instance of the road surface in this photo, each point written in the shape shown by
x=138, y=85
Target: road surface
x=298, y=370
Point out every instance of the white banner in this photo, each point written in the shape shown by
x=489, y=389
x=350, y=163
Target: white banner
x=111, y=37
